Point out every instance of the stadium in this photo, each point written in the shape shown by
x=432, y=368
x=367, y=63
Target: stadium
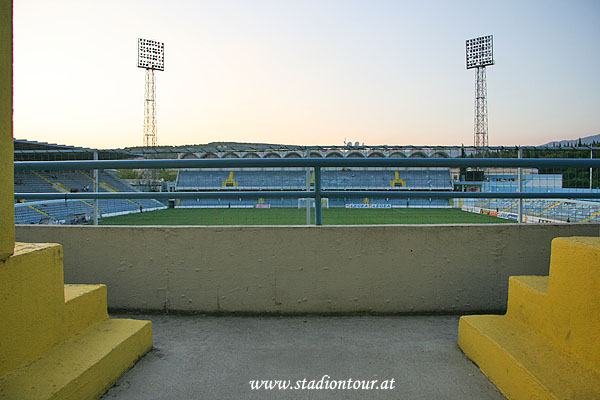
x=380, y=207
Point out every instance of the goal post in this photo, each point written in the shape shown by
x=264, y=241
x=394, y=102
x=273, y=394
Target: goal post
x=302, y=202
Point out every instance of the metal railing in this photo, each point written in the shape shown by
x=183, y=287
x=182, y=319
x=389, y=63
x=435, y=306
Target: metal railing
x=316, y=164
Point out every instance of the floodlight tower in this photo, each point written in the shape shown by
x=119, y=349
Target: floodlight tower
x=151, y=56
x=480, y=53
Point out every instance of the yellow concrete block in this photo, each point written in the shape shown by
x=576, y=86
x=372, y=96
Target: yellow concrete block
x=575, y=267
x=7, y=219
x=56, y=341
x=31, y=303
x=528, y=302
x=574, y=297
x=547, y=346
x=83, y=367
x=84, y=306
x=523, y=365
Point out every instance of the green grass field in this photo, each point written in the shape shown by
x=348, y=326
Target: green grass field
x=294, y=216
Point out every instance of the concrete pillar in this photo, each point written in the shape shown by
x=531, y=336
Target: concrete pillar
x=7, y=208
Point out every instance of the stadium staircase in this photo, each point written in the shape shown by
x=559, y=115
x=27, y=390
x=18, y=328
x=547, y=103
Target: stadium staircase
x=110, y=188
x=38, y=210
x=595, y=215
x=547, y=345
x=57, y=341
x=59, y=187
x=397, y=181
x=558, y=203
x=229, y=182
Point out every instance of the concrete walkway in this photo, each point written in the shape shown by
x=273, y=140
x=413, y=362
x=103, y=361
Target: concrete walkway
x=208, y=357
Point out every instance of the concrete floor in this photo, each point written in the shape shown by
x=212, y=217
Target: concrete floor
x=209, y=357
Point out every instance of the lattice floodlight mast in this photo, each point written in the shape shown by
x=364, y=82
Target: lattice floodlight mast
x=151, y=56
x=479, y=54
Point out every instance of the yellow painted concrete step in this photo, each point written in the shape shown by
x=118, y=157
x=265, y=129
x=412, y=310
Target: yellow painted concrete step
x=83, y=367
x=575, y=269
x=31, y=303
x=527, y=301
x=524, y=365
x=84, y=305
x=574, y=297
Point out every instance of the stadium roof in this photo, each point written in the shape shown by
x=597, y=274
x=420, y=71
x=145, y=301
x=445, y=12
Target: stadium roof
x=234, y=146
x=28, y=150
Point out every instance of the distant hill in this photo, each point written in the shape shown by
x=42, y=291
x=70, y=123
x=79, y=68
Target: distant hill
x=585, y=141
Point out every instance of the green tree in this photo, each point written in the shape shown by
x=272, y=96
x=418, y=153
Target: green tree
x=168, y=175
x=129, y=174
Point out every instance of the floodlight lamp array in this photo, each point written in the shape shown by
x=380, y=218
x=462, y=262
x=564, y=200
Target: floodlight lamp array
x=480, y=51
x=151, y=54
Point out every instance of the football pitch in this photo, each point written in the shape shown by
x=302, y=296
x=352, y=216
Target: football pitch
x=294, y=216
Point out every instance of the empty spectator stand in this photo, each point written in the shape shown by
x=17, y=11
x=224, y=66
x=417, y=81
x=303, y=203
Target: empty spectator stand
x=71, y=211
x=333, y=179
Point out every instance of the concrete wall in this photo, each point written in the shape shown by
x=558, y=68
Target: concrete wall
x=384, y=269
x=7, y=221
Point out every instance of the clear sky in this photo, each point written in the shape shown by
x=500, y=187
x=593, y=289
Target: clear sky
x=305, y=72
